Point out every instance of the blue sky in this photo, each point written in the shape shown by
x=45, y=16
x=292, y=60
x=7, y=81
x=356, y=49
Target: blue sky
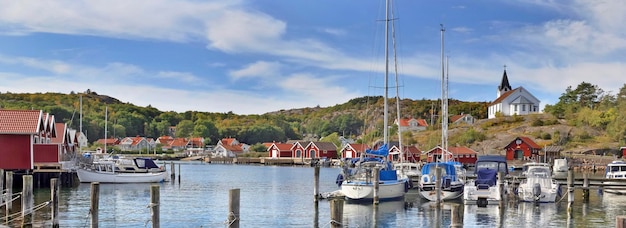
x=253, y=57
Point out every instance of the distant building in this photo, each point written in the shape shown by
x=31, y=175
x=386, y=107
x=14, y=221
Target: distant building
x=411, y=124
x=518, y=101
x=462, y=118
x=522, y=148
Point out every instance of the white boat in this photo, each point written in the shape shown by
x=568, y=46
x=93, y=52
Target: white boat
x=452, y=181
x=122, y=170
x=615, y=170
x=409, y=169
x=560, y=166
x=538, y=185
x=486, y=189
x=357, y=181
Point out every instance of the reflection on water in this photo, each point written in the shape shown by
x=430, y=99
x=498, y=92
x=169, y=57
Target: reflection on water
x=283, y=197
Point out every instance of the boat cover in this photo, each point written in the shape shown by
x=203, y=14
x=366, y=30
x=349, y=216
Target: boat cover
x=486, y=176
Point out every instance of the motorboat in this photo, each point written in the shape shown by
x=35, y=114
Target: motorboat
x=538, y=185
x=486, y=189
x=615, y=170
x=115, y=169
x=560, y=166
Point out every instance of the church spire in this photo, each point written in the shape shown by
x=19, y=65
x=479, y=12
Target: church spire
x=504, y=85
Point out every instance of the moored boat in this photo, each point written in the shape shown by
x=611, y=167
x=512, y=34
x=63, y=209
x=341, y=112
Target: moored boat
x=486, y=189
x=452, y=181
x=615, y=170
x=358, y=181
x=560, y=166
x=122, y=170
x=538, y=185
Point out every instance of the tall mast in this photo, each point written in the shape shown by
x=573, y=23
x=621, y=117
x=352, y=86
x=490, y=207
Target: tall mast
x=385, y=108
x=106, y=117
x=395, y=62
x=80, y=145
x=444, y=102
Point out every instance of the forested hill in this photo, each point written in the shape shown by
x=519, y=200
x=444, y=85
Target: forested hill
x=351, y=119
x=585, y=118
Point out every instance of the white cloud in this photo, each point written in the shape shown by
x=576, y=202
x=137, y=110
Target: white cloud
x=261, y=69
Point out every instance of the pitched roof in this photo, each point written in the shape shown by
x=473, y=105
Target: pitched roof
x=60, y=134
x=281, y=146
x=328, y=146
x=404, y=122
x=530, y=142
x=455, y=150
x=21, y=121
x=505, y=82
x=457, y=117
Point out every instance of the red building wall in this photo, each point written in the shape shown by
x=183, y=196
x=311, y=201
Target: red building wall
x=46, y=153
x=15, y=152
x=512, y=147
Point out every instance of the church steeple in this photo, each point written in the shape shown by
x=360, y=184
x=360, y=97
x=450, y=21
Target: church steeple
x=504, y=85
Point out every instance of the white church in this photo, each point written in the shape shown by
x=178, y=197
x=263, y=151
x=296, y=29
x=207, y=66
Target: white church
x=518, y=101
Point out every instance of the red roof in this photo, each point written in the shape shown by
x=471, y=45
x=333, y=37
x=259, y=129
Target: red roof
x=404, y=122
x=282, y=146
x=530, y=142
x=504, y=95
x=21, y=121
x=60, y=134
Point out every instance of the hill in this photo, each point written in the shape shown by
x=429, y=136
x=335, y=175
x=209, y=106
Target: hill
x=359, y=118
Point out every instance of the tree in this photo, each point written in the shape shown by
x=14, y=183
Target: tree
x=333, y=138
x=184, y=129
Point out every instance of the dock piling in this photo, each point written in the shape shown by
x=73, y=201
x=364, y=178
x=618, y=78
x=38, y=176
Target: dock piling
x=570, y=190
x=233, y=208
x=336, y=213
x=376, y=185
x=1, y=186
x=586, y=187
x=501, y=177
x=316, y=183
x=95, y=200
x=438, y=185
x=54, y=198
x=154, y=206
x=620, y=221
x=456, y=216
x=27, y=201
x=9, y=193
x=178, y=173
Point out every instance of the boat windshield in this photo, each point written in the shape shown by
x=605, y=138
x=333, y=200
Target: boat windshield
x=618, y=168
x=501, y=167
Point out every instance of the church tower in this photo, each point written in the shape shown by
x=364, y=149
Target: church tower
x=504, y=85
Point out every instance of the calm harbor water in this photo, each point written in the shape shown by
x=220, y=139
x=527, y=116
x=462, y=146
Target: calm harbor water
x=273, y=196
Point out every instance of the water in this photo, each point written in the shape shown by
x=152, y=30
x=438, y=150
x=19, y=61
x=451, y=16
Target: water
x=273, y=196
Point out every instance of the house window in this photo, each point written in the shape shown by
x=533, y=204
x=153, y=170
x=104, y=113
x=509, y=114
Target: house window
x=535, y=109
x=523, y=108
x=515, y=108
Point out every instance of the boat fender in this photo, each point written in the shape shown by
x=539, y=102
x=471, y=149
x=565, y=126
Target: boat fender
x=339, y=180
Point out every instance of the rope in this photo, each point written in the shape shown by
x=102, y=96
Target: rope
x=228, y=223
x=563, y=197
x=332, y=222
x=32, y=210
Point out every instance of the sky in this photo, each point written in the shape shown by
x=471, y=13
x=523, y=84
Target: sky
x=254, y=57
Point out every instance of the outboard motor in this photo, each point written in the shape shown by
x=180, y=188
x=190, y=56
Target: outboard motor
x=537, y=191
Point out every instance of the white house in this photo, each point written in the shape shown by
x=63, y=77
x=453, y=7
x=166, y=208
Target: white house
x=518, y=101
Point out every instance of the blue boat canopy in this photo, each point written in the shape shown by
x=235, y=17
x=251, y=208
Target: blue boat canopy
x=383, y=151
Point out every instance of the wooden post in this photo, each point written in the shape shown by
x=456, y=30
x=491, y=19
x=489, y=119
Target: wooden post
x=620, y=221
x=178, y=173
x=336, y=213
x=570, y=190
x=438, y=185
x=27, y=201
x=154, y=206
x=376, y=184
x=1, y=187
x=9, y=202
x=457, y=216
x=501, y=177
x=586, y=187
x=95, y=200
x=233, y=208
x=173, y=169
x=54, y=197
x=316, y=183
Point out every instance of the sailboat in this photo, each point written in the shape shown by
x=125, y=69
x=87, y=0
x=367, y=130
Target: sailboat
x=358, y=181
x=451, y=181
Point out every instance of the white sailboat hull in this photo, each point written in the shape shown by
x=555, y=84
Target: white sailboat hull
x=86, y=176
x=361, y=190
x=445, y=195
